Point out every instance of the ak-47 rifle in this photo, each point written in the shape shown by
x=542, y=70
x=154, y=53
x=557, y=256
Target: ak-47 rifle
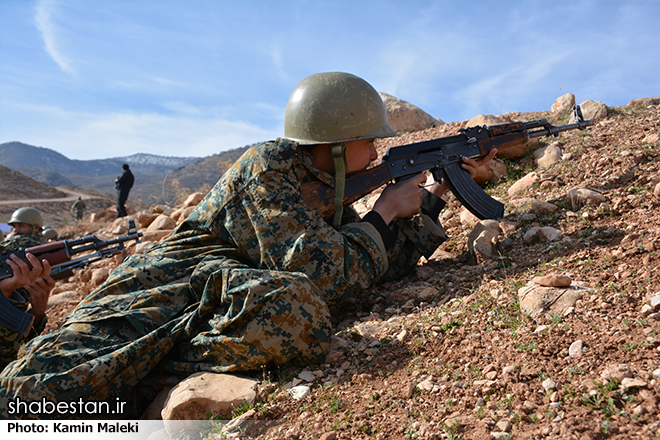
x=442, y=157
x=59, y=254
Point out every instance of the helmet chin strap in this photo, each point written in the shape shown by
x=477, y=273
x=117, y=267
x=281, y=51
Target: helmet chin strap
x=338, y=152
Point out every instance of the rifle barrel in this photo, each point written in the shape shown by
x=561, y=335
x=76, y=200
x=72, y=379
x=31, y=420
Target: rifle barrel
x=551, y=130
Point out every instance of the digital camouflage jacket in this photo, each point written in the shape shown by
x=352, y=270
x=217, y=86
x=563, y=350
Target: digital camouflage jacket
x=246, y=280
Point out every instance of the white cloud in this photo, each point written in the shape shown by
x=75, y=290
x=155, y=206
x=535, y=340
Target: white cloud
x=43, y=20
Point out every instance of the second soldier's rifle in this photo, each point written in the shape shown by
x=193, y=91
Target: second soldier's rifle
x=442, y=157
x=60, y=255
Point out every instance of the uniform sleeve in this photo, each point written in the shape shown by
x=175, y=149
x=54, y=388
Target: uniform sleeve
x=11, y=341
x=291, y=237
x=415, y=237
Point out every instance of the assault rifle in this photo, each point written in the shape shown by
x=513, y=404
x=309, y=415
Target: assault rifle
x=442, y=157
x=59, y=254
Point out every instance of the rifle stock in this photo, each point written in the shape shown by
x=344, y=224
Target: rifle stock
x=442, y=157
x=59, y=255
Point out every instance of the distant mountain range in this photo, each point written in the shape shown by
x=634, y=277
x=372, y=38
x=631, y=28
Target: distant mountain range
x=158, y=179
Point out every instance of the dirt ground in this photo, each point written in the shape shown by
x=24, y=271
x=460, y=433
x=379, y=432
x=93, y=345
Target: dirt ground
x=447, y=353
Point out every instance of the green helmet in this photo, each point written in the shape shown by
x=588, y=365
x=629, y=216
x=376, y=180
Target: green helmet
x=31, y=216
x=334, y=107
x=49, y=232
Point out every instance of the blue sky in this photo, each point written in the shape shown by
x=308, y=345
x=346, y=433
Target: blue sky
x=108, y=78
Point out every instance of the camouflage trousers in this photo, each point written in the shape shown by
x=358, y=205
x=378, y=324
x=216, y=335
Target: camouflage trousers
x=117, y=338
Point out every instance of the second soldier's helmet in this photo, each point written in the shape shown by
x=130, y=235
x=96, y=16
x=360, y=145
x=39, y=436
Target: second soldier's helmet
x=31, y=216
x=334, y=107
x=49, y=232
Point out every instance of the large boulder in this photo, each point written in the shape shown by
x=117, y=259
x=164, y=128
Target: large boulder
x=525, y=184
x=593, y=110
x=193, y=199
x=206, y=392
x=546, y=157
x=563, y=103
x=579, y=197
x=644, y=101
x=482, y=242
x=162, y=222
x=404, y=117
x=484, y=120
x=145, y=218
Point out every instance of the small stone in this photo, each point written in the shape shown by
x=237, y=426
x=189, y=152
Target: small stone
x=638, y=410
x=575, y=350
x=425, y=385
x=629, y=382
x=489, y=368
x=408, y=391
x=655, y=302
x=553, y=281
x=509, y=369
x=299, y=392
x=528, y=407
x=646, y=310
x=503, y=426
x=616, y=372
x=541, y=329
x=549, y=384
x=307, y=376
x=491, y=375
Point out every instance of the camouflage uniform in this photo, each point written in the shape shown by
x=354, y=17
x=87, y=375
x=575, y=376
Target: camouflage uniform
x=245, y=281
x=10, y=341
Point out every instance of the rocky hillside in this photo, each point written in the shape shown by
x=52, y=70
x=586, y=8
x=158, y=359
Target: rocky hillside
x=542, y=325
x=17, y=186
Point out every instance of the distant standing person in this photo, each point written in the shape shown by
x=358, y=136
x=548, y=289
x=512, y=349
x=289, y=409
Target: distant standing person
x=124, y=183
x=79, y=209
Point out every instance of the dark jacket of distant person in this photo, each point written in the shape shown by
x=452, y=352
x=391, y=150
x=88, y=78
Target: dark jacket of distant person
x=123, y=184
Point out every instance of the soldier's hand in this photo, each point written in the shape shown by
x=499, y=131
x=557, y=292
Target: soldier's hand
x=401, y=200
x=471, y=165
x=39, y=294
x=23, y=273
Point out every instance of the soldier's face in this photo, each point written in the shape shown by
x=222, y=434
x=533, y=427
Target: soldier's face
x=20, y=228
x=359, y=154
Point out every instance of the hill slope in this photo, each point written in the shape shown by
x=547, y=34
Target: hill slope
x=158, y=178
x=17, y=186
